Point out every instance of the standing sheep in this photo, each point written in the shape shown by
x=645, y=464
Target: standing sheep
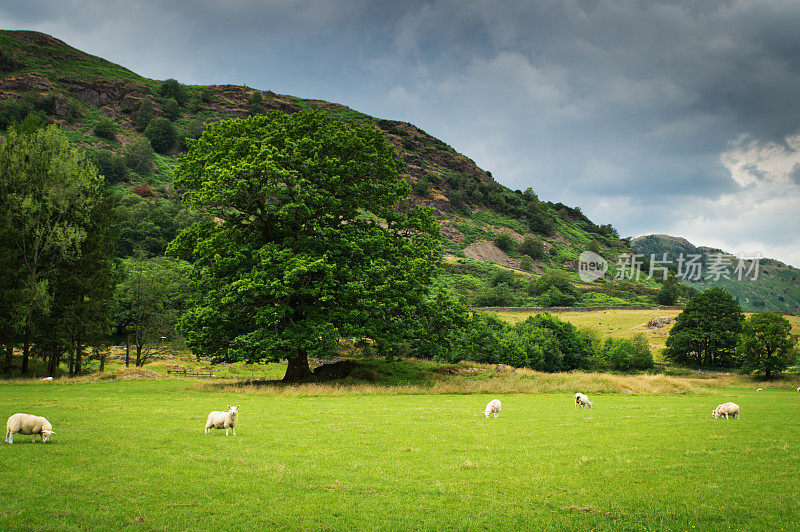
x=27, y=424
x=583, y=400
x=727, y=410
x=223, y=420
x=493, y=407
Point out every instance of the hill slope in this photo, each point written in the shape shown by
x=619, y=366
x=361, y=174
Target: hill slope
x=773, y=286
x=81, y=92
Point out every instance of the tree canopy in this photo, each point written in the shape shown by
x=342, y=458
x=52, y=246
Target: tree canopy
x=766, y=343
x=707, y=330
x=308, y=245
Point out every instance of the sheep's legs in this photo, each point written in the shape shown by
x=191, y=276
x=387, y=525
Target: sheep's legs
x=234, y=430
x=226, y=432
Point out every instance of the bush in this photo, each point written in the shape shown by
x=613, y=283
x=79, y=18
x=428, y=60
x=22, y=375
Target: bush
x=503, y=276
x=139, y=155
x=458, y=201
x=144, y=115
x=422, y=187
x=162, y=134
x=532, y=247
x=554, y=277
x=111, y=166
x=505, y=242
x=623, y=354
x=173, y=89
x=499, y=296
x=171, y=109
x=256, y=105
x=526, y=264
x=105, y=129
x=554, y=297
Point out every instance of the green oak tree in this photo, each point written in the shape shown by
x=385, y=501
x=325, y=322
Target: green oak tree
x=766, y=343
x=706, y=331
x=308, y=245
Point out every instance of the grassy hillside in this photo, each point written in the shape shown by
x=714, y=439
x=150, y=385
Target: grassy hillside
x=85, y=94
x=776, y=287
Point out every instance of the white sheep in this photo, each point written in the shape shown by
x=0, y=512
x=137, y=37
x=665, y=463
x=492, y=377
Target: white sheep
x=27, y=424
x=759, y=390
x=493, y=407
x=223, y=420
x=47, y=379
x=726, y=410
x=582, y=400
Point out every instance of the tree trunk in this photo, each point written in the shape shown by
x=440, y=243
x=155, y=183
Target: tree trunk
x=102, y=362
x=9, y=344
x=138, y=355
x=128, y=351
x=78, y=357
x=26, y=347
x=298, y=369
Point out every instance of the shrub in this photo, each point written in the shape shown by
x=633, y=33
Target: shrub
x=623, y=354
x=554, y=277
x=171, y=109
x=144, y=115
x=499, y=296
x=256, y=104
x=138, y=155
x=505, y=242
x=554, y=297
x=526, y=264
x=105, y=129
x=503, y=277
x=205, y=95
x=458, y=201
x=173, y=89
x=532, y=247
x=422, y=187
x=162, y=134
x=111, y=166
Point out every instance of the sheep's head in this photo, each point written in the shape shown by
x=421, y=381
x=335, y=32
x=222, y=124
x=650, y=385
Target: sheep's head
x=233, y=410
x=46, y=435
x=714, y=414
x=589, y=403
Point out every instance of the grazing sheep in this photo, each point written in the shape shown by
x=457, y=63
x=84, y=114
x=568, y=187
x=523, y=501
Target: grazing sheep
x=223, y=420
x=492, y=407
x=582, y=400
x=726, y=410
x=27, y=424
x=47, y=379
x=759, y=390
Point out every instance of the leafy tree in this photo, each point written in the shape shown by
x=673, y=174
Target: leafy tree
x=48, y=193
x=766, y=343
x=505, y=242
x=310, y=248
x=552, y=278
x=144, y=115
x=668, y=293
x=256, y=104
x=171, y=109
x=458, y=201
x=162, y=134
x=532, y=247
x=111, y=166
x=139, y=155
x=150, y=299
x=707, y=330
x=526, y=264
x=173, y=89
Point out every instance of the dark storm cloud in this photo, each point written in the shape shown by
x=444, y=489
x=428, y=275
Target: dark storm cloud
x=640, y=112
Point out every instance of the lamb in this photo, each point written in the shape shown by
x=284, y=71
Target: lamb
x=223, y=420
x=727, y=410
x=492, y=407
x=27, y=424
x=583, y=400
x=759, y=390
x=47, y=379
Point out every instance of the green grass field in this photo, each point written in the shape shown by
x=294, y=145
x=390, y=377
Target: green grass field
x=133, y=453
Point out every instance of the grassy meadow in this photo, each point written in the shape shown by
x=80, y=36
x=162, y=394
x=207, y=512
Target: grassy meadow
x=133, y=453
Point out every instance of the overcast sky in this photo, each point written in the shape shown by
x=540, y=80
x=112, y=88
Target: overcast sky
x=656, y=117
